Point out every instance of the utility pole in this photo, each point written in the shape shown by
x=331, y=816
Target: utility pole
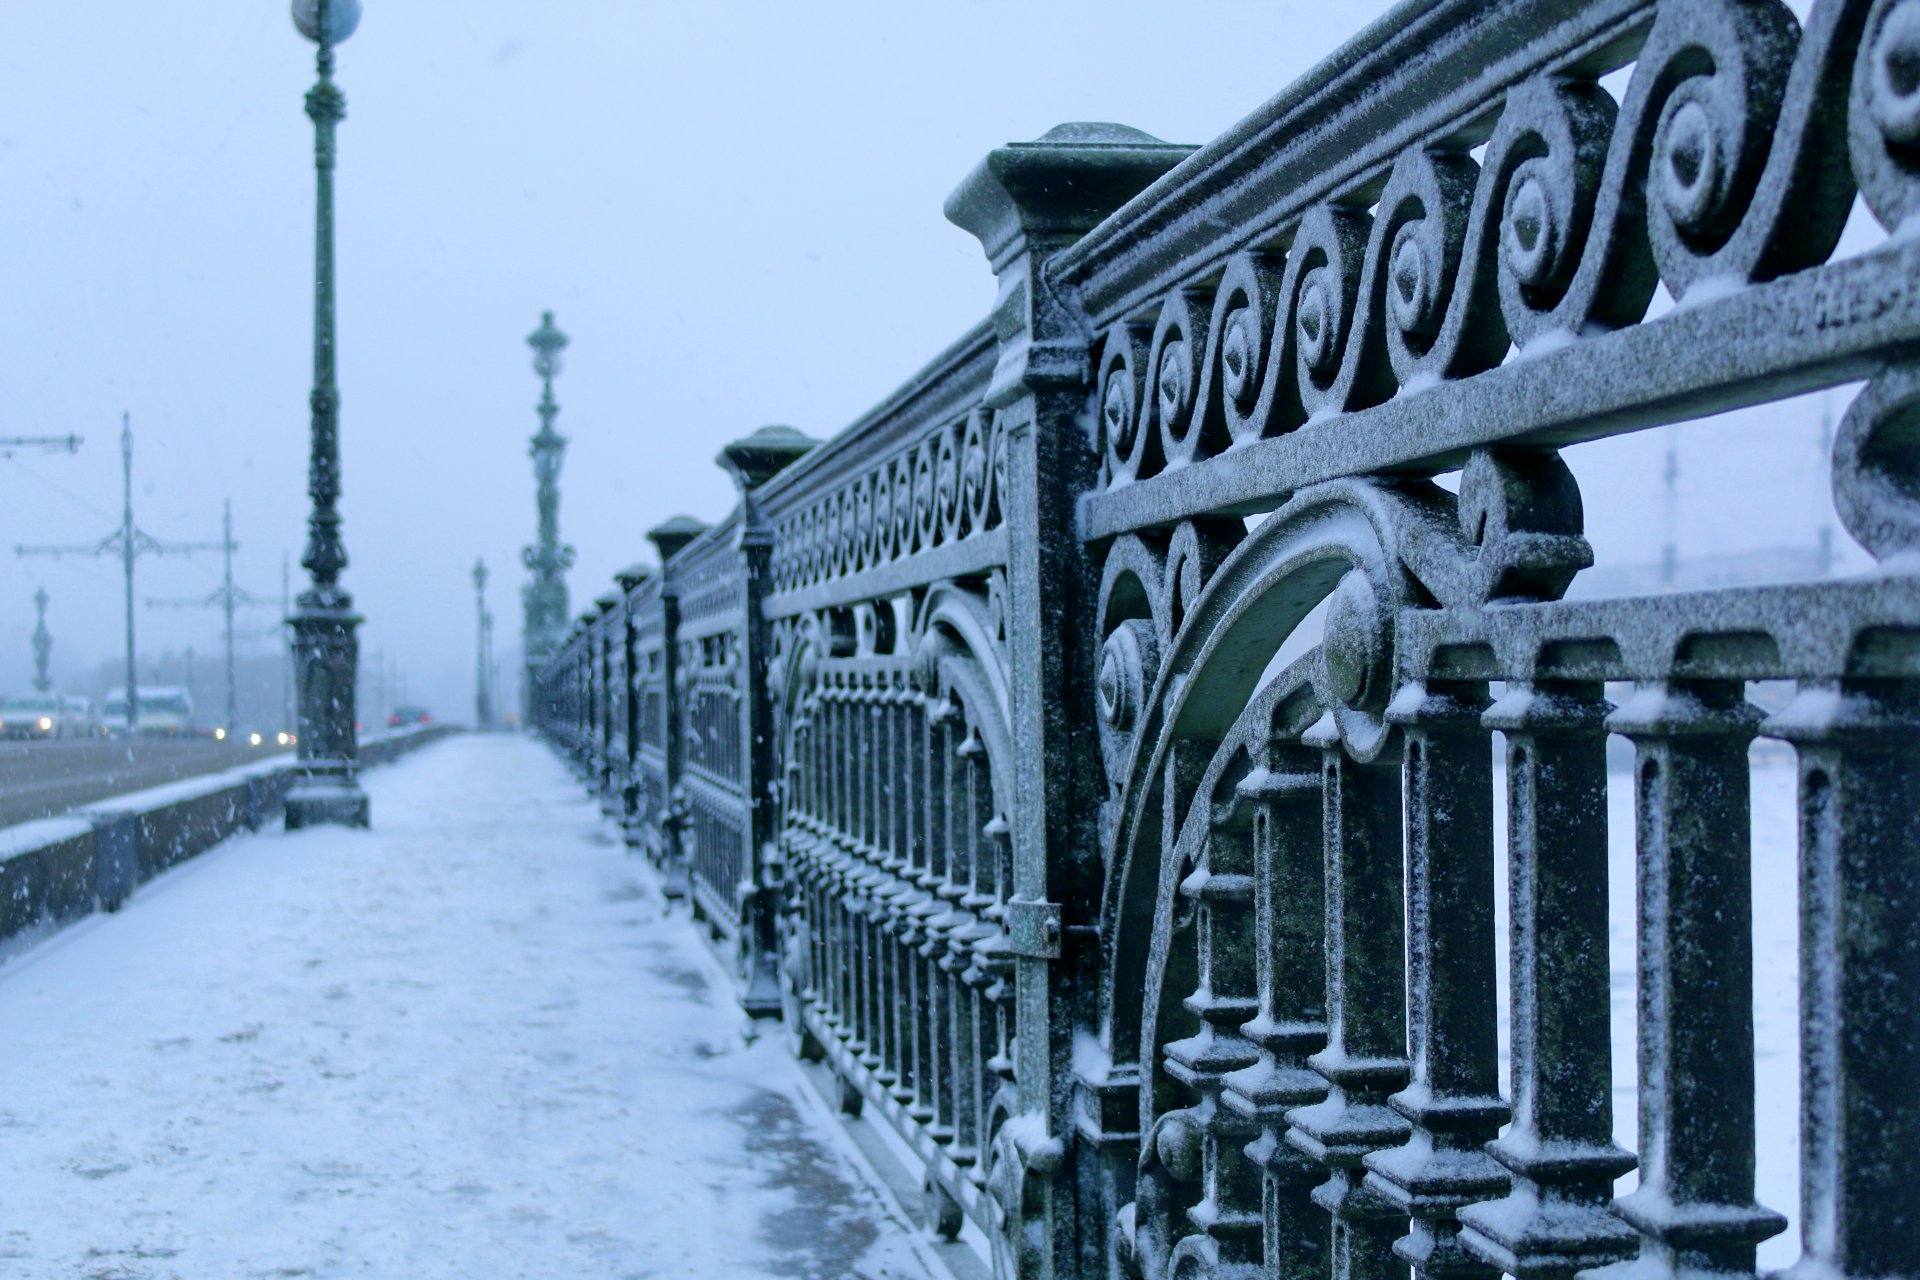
x=129, y=542
x=227, y=598
x=482, y=695
x=1670, y=549
x=1825, y=502
x=42, y=645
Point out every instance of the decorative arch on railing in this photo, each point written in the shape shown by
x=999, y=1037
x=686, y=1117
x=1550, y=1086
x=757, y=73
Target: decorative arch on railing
x=1236, y=787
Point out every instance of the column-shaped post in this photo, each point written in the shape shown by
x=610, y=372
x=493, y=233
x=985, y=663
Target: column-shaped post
x=1365, y=1058
x=669, y=539
x=1025, y=203
x=1560, y=1147
x=1291, y=1025
x=753, y=461
x=1859, y=745
x=1695, y=920
x=632, y=702
x=1220, y=895
x=1453, y=1098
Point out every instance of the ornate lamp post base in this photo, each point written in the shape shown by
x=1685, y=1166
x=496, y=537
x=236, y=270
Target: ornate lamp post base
x=327, y=788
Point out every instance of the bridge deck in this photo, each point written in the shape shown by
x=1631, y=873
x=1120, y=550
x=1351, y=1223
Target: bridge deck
x=466, y=1043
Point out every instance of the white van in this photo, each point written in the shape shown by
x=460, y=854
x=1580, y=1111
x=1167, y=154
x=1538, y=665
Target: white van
x=166, y=711
x=32, y=715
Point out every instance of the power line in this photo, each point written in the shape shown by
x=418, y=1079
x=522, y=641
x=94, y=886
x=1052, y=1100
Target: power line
x=129, y=542
x=225, y=597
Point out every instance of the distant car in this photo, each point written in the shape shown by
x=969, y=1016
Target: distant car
x=32, y=715
x=82, y=720
x=403, y=716
x=165, y=711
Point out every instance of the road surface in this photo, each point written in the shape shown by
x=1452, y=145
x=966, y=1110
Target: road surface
x=43, y=779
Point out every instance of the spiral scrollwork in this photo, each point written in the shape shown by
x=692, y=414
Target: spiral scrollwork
x=1709, y=86
x=1177, y=393
x=1558, y=188
x=976, y=472
x=1242, y=368
x=1884, y=111
x=1876, y=464
x=864, y=531
x=925, y=515
x=946, y=484
x=1325, y=316
x=1132, y=453
x=1442, y=297
x=883, y=526
x=903, y=505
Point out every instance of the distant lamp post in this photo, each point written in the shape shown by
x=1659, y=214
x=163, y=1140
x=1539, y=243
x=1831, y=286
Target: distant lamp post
x=483, y=683
x=548, y=559
x=325, y=649
x=42, y=645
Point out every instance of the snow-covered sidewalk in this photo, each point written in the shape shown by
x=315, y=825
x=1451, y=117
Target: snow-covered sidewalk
x=465, y=1044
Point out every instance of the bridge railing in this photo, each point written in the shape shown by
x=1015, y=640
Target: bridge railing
x=1091, y=752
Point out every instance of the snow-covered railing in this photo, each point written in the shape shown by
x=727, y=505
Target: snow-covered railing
x=1111, y=724
x=56, y=870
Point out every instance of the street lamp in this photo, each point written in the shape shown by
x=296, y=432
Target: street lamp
x=326, y=651
x=545, y=618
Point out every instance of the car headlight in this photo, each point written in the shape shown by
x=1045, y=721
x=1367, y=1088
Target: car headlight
x=219, y=735
x=254, y=739
x=46, y=723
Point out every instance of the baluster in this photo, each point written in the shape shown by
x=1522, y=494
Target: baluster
x=904, y=894
x=1365, y=1058
x=965, y=930
x=1556, y=1219
x=865, y=877
x=1221, y=889
x=941, y=719
x=1289, y=927
x=996, y=955
x=1859, y=747
x=1695, y=1199
x=1453, y=1098
x=926, y=904
x=971, y=978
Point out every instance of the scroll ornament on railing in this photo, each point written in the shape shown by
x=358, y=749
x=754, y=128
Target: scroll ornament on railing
x=1732, y=159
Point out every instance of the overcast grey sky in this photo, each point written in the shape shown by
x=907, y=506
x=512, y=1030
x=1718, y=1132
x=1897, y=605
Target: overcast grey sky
x=733, y=208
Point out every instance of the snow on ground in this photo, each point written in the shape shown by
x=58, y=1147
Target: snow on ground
x=465, y=1044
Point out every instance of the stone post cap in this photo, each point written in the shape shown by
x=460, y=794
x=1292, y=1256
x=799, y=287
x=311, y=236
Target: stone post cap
x=672, y=536
x=632, y=576
x=758, y=458
x=1062, y=184
x=605, y=604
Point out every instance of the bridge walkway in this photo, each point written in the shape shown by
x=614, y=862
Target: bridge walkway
x=468, y=1043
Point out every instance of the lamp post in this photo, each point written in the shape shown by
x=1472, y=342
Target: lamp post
x=482, y=693
x=549, y=559
x=326, y=652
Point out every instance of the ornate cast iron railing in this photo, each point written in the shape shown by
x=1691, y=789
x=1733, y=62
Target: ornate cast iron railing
x=1091, y=753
